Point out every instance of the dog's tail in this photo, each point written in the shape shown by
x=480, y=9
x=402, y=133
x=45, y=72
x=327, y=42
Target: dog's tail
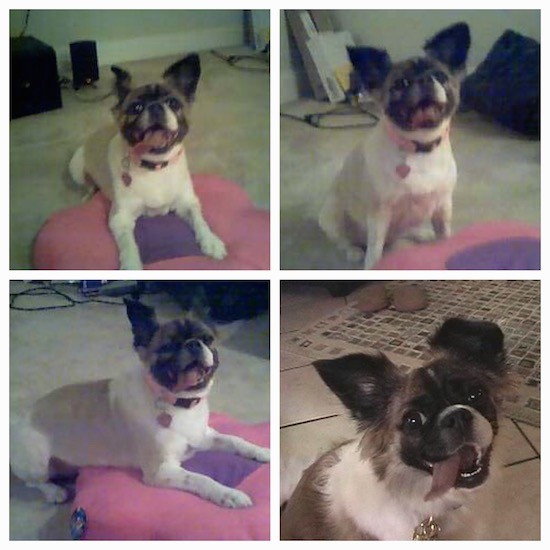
x=76, y=167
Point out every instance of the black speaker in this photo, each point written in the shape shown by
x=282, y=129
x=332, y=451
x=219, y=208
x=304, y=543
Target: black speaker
x=34, y=81
x=84, y=62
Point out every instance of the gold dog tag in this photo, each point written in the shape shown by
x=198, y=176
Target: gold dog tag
x=427, y=530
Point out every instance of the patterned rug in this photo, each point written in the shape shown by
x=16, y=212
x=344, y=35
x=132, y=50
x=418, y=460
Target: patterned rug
x=514, y=305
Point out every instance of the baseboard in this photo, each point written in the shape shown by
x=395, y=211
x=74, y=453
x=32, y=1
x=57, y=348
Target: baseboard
x=150, y=47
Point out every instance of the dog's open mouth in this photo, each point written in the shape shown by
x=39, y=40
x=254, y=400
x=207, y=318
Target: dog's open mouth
x=156, y=139
x=424, y=115
x=427, y=116
x=467, y=468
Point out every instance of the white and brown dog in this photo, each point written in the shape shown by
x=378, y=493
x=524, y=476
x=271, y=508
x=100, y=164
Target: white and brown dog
x=423, y=449
x=405, y=172
x=151, y=418
x=140, y=162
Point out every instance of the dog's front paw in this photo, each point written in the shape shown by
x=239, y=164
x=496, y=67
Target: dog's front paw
x=213, y=246
x=261, y=454
x=130, y=262
x=233, y=498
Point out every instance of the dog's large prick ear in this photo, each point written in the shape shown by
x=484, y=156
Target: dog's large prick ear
x=184, y=75
x=143, y=321
x=371, y=65
x=450, y=46
x=364, y=383
x=123, y=82
x=475, y=340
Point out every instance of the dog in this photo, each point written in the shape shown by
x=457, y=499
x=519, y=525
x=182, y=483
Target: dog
x=151, y=418
x=424, y=445
x=405, y=172
x=140, y=164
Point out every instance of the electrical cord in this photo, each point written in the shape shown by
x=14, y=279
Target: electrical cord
x=50, y=290
x=234, y=60
x=316, y=119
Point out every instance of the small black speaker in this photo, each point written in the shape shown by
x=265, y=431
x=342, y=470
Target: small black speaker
x=84, y=62
x=34, y=80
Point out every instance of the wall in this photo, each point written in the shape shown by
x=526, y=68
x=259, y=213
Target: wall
x=129, y=35
x=402, y=33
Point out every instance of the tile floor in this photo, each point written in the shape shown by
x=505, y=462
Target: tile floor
x=312, y=419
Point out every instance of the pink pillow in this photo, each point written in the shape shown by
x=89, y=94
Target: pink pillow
x=501, y=245
x=118, y=506
x=79, y=237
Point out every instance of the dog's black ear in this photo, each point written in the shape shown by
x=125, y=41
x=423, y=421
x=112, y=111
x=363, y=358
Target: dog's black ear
x=474, y=340
x=184, y=75
x=371, y=65
x=143, y=321
x=123, y=82
x=364, y=383
x=450, y=46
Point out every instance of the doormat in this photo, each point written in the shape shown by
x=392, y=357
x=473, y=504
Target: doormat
x=513, y=305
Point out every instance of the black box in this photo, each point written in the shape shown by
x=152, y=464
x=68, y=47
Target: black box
x=84, y=62
x=34, y=81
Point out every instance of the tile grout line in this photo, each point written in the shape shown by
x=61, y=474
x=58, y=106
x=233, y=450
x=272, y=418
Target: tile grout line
x=516, y=424
x=310, y=421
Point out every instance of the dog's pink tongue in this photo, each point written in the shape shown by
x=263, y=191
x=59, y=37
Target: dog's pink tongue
x=444, y=476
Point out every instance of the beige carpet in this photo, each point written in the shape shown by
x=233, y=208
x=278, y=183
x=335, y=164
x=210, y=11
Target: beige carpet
x=229, y=137
x=499, y=179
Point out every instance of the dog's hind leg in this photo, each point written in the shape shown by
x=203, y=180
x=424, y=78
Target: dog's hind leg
x=30, y=461
x=332, y=220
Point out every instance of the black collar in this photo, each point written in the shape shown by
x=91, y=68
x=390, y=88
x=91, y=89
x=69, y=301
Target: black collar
x=426, y=147
x=187, y=403
x=150, y=165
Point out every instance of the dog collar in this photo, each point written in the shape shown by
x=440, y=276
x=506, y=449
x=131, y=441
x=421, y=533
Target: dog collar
x=135, y=157
x=412, y=146
x=165, y=396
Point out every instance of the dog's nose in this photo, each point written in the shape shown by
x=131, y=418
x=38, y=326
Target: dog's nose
x=194, y=347
x=459, y=420
x=156, y=111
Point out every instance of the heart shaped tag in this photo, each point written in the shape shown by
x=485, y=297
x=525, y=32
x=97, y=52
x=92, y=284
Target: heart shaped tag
x=402, y=170
x=164, y=419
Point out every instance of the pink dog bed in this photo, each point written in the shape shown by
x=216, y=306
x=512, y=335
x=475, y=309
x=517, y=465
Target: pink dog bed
x=79, y=237
x=500, y=245
x=118, y=506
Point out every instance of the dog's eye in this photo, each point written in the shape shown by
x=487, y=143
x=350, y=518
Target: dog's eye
x=441, y=77
x=401, y=84
x=135, y=108
x=173, y=103
x=413, y=420
x=475, y=394
x=207, y=339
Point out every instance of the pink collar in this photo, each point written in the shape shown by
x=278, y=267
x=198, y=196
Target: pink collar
x=413, y=146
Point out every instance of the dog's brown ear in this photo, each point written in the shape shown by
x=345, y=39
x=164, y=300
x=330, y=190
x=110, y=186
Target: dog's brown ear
x=474, y=340
x=123, y=82
x=184, y=75
x=143, y=321
x=364, y=383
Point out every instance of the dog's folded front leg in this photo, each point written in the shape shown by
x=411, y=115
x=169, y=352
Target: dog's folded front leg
x=377, y=229
x=209, y=243
x=172, y=475
x=122, y=226
x=233, y=444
